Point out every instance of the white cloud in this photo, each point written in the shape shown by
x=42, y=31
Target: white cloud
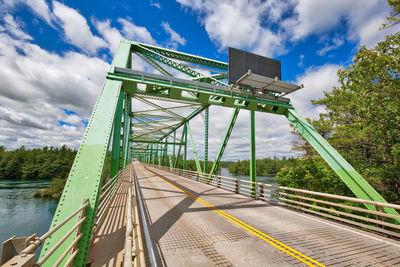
x=129, y=31
x=268, y=27
x=155, y=4
x=37, y=85
x=135, y=33
x=41, y=8
x=241, y=23
x=337, y=42
x=360, y=18
x=76, y=29
x=301, y=58
x=11, y=26
x=175, y=39
x=316, y=81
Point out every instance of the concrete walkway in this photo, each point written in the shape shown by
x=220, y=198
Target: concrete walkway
x=194, y=224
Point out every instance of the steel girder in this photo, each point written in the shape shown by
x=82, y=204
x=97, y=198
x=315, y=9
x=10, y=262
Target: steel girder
x=86, y=175
x=225, y=140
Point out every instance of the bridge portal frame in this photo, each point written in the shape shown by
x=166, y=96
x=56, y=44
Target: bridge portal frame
x=201, y=91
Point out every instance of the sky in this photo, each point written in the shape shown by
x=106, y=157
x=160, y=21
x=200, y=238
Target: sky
x=54, y=56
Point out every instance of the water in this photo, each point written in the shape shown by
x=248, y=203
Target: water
x=20, y=213
x=262, y=179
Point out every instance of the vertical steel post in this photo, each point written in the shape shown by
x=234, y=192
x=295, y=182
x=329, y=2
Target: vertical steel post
x=116, y=137
x=252, y=151
x=127, y=126
x=185, y=149
x=206, y=115
x=173, y=147
x=166, y=152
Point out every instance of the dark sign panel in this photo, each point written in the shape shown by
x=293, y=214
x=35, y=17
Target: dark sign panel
x=241, y=61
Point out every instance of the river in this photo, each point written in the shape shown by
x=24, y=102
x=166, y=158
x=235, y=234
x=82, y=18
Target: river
x=262, y=179
x=20, y=213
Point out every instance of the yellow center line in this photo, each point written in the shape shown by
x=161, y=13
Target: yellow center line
x=279, y=245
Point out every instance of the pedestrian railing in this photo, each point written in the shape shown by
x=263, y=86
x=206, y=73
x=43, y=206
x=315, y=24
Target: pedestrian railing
x=134, y=252
x=24, y=248
x=107, y=194
x=348, y=210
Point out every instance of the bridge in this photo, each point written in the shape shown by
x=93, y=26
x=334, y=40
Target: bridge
x=148, y=211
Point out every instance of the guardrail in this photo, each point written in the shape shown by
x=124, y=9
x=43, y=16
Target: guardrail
x=107, y=194
x=134, y=253
x=27, y=255
x=347, y=210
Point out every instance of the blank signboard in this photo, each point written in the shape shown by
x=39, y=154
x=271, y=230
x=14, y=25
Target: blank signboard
x=241, y=61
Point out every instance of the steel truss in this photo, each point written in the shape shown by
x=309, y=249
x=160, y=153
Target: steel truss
x=165, y=105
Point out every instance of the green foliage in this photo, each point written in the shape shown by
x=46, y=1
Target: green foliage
x=45, y=163
x=394, y=17
x=265, y=167
x=362, y=123
x=312, y=173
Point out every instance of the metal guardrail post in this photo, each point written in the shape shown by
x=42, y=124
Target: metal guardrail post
x=261, y=190
x=219, y=182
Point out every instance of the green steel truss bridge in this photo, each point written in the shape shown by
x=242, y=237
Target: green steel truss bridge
x=143, y=118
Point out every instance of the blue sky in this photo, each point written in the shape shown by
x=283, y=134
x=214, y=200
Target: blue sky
x=54, y=56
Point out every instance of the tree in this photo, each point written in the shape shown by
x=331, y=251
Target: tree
x=363, y=116
x=394, y=17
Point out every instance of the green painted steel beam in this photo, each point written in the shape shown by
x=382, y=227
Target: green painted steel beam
x=252, y=152
x=155, y=142
x=127, y=126
x=196, y=158
x=225, y=140
x=357, y=184
x=185, y=148
x=116, y=138
x=185, y=57
x=86, y=175
x=205, y=96
x=154, y=64
x=206, y=117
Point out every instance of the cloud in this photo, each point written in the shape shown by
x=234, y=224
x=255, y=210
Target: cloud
x=337, y=42
x=155, y=4
x=41, y=9
x=14, y=28
x=129, y=31
x=76, y=29
x=37, y=86
x=316, y=81
x=270, y=27
x=301, y=58
x=175, y=39
x=242, y=24
x=360, y=20
x=135, y=33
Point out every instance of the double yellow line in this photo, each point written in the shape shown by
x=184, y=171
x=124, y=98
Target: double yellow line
x=279, y=245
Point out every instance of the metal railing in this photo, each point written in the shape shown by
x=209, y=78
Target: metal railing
x=26, y=256
x=145, y=227
x=347, y=210
x=134, y=253
x=107, y=194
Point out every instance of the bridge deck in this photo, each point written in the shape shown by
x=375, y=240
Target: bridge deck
x=194, y=224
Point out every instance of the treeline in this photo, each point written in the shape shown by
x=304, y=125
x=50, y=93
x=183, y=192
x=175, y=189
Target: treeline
x=265, y=167
x=37, y=163
x=362, y=122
